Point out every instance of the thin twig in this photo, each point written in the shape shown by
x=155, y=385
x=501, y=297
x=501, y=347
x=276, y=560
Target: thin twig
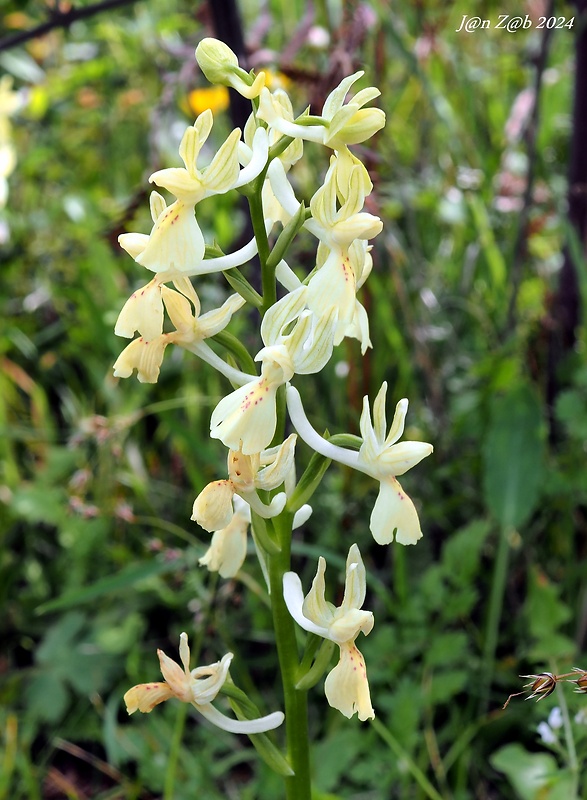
x=61, y=19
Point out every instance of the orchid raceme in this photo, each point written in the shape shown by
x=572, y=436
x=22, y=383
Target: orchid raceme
x=246, y=419
x=380, y=457
x=317, y=308
x=213, y=507
x=346, y=687
x=198, y=687
x=338, y=126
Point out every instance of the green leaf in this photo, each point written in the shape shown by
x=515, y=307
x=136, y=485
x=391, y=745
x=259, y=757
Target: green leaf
x=47, y=697
x=308, y=483
x=129, y=576
x=513, y=456
x=534, y=776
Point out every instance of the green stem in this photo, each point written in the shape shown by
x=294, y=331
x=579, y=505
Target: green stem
x=238, y=350
x=267, y=274
x=171, y=768
x=500, y=570
x=298, y=787
x=404, y=758
x=573, y=761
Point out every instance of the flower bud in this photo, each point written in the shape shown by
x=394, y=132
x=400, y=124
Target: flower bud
x=220, y=66
x=216, y=60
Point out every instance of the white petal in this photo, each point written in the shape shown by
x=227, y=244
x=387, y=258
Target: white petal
x=281, y=314
x=142, y=312
x=336, y=98
x=275, y=474
x=355, y=581
x=348, y=626
x=274, y=508
x=398, y=422
x=258, y=161
x=228, y=548
x=394, y=512
x=207, y=681
x=176, y=241
x=347, y=687
x=133, y=243
x=293, y=596
x=213, y=509
x=301, y=516
x=401, y=457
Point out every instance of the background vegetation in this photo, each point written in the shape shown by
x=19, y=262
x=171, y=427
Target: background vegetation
x=98, y=558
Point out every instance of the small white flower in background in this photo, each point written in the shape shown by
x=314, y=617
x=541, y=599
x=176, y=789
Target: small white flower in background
x=546, y=733
x=198, y=687
x=339, y=125
x=555, y=718
x=346, y=686
x=380, y=457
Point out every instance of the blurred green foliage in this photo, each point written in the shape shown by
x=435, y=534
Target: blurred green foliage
x=98, y=559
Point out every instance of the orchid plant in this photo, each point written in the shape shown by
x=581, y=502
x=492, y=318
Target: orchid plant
x=299, y=332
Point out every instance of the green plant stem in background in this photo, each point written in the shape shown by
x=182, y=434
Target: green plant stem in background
x=298, y=787
x=404, y=758
x=572, y=760
x=500, y=569
x=171, y=768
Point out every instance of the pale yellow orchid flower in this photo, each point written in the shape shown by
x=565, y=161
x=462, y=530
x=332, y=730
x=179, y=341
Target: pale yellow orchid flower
x=339, y=125
x=199, y=687
x=146, y=355
x=346, y=686
x=381, y=457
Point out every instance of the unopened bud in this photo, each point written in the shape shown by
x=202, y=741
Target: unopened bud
x=216, y=60
x=220, y=66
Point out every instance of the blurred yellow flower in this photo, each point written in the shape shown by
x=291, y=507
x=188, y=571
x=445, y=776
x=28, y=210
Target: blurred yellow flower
x=215, y=98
